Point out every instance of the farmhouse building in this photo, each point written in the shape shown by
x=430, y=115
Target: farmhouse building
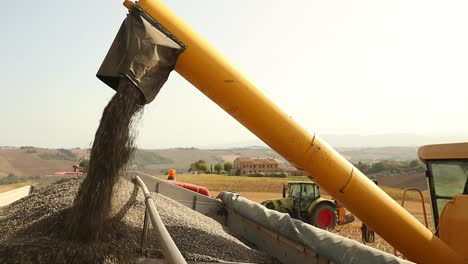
x=244, y=166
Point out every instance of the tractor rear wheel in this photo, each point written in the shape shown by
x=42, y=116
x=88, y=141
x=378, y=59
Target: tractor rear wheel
x=324, y=216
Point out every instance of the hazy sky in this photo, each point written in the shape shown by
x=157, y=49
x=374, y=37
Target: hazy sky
x=337, y=67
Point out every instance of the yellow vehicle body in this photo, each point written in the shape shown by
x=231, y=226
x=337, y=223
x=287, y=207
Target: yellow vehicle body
x=447, y=174
x=453, y=224
x=224, y=84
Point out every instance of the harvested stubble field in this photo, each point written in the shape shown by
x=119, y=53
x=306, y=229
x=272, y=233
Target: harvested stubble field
x=241, y=184
x=236, y=183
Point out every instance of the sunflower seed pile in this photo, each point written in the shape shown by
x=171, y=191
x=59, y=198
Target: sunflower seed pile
x=33, y=230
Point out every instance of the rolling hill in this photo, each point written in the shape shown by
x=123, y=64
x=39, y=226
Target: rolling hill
x=31, y=161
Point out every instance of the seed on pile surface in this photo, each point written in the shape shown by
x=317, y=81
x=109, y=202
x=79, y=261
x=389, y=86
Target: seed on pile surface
x=33, y=227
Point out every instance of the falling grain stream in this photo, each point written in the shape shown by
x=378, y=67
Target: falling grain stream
x=114, y=144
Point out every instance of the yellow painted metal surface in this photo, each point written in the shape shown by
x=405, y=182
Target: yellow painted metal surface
x=128, y=4
x=219, y=80
x=444, y=151
x=453, y=224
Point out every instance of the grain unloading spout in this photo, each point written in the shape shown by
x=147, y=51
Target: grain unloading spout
x=144, y=52
x=220, y=81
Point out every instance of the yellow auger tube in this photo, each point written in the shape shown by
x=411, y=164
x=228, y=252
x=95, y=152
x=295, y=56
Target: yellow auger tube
x=218, y=79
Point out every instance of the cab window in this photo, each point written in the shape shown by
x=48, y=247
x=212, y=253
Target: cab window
x=295, y=191
x=270, y=205
x=308, y=191
x=449, y=178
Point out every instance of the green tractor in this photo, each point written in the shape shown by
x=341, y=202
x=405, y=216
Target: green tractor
x=301, y=200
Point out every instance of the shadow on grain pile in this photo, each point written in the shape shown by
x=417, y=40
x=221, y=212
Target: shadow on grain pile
x=99, y=219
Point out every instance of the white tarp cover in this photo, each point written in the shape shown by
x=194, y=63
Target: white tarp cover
x=331, y=246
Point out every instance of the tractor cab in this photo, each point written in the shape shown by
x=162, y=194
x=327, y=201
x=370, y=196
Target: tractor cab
x=301, y=193
x=447, y=177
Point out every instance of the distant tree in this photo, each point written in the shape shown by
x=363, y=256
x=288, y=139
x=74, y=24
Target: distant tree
x=66, y=153
x=193, y=167
x=415, y=164
x=199, y=166
x=30, y=151
x=11, y=178
x=228, y=166
x=203, y=167
x=379, y=167
x=390, y=166
x=219, y=167
x=363, y=167
x=85, y=164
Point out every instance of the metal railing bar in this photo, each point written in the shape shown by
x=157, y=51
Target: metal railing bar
x=169, y=248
